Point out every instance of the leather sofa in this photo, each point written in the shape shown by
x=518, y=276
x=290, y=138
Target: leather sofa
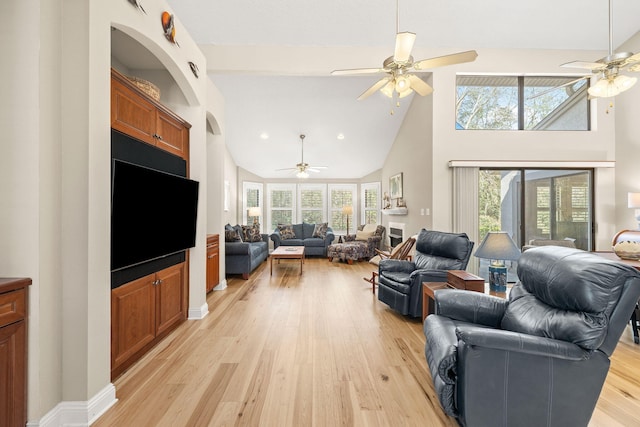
x=400, y=281
x=539, y=358
x=304, y=237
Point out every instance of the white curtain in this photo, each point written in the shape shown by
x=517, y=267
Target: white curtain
x=465, y=207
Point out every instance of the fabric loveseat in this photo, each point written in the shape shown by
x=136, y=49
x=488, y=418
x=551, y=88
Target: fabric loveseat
x=244, y=249
x=540, y=358
x=303, y=235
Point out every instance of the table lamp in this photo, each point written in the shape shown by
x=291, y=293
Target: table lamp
x=255, y=213
x=633, y=202
x=497, y=247
x=347, y=210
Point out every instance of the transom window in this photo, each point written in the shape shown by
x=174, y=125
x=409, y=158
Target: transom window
x=521, y=103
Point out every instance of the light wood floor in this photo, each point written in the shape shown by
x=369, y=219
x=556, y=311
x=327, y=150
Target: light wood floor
x=311, y=350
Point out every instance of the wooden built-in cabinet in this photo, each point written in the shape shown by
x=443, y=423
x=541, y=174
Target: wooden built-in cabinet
x=144, y=311
x=13, y=351
x=213, y=261
x=137, y=115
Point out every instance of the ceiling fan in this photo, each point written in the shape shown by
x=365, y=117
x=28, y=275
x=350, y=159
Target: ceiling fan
x=302, y=169
x=607, y=69
x=400, y=67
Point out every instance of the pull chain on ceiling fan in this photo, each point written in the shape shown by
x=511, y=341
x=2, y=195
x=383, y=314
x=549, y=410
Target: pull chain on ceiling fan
x=400, y=68
x=302, y=169
x=607, y=69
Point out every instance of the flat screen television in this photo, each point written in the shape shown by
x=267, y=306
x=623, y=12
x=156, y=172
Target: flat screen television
x=153, y=214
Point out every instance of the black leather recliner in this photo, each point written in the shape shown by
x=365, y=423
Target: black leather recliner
x=540, y=358
x=400, y=282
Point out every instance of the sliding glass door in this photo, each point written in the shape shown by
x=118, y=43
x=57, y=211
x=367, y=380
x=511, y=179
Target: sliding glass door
x=534, y=204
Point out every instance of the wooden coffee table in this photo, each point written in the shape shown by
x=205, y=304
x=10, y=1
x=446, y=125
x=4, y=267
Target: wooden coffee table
x=288, y=252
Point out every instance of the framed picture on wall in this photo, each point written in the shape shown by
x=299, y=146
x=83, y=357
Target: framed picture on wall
x=395, y=186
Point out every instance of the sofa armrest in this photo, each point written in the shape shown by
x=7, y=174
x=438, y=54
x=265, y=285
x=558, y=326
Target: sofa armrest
x=397, y=266
x=469, y=306
x=429, y=275
x=330, y=237
x=521, y=343
x=276, y=237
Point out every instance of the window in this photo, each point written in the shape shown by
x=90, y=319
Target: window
x=370, y=202
x=252, y=197
x=281, y=202
x=313, y=205
x=341, y=195
x=521, y=103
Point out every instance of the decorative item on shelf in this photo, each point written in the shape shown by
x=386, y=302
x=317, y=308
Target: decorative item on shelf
x=400, y=203
x=497, y=247
x=137, y=4
x=146, y=86
x=347, y=210
x=255, y=213
x=194, y=68
x=395, y=186
x=168, y=26
x=626, y=244
x=387, y=201
x=633, y=202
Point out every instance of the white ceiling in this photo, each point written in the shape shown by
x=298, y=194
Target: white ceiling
x=262, y=57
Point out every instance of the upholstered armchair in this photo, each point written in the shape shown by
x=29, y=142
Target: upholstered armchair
x=370, y=236
x=400, y=282
x=539, y=358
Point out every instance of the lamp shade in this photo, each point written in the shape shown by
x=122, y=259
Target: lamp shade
x=347, y=210
x=633, y=200
x=498, y=245
x=254, y=211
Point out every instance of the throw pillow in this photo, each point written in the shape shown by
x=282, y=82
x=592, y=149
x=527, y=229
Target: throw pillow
x=286, y=231
x=320, y=230
x=251, y=233
x=370, y=228
x=231, y=236
x=364, y=235
x=238, y=229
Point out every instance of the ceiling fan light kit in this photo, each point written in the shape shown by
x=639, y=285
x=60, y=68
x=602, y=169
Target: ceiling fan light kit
x=401, y=81
x=611, y=82
x=302, y=169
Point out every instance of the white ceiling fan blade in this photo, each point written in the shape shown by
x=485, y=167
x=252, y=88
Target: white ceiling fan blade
x=441, y=61
x=354, y=71
x=419, y=85
x=317, y=168
x=404, y=44
x=631, y=60
x=377, y=85
x=287, y=169
x=593, y=66
x=544, y=92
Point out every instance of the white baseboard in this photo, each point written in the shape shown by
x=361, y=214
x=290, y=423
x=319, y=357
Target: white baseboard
x=221, y=286
x=78, y=413
x=198, y=312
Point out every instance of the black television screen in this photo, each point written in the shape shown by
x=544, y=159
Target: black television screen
x=153, y=214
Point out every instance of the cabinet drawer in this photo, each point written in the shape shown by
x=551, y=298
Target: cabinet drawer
x=12, y=307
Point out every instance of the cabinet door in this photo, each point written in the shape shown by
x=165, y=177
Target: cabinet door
x=170, y=296
x=13, y=375
x=133, y=314
x=213, y=262
x=172, y=136
x=132, y=114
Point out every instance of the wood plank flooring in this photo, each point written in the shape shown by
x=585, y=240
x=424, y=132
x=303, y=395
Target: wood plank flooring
x=311, y=350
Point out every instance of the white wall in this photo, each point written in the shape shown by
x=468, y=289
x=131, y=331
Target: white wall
x=437, y=141
x=55, y=180
x=627, y=139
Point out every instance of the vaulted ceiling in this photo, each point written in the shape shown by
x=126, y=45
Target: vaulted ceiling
x=271, y=60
